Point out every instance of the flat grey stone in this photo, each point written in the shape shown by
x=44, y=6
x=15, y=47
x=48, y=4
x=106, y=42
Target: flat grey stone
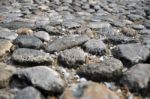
x=71, y=24
x=145, y=32
x=25, y=1
x=107, y=32
x=145, y=39
x=147, y=24
x=107, y=70
x=137, y=77
x=42, y=35
x=26, y=56
x=98, y=25
x=55, y=18
x=95, y=46
x=138, y=27
x=118, y=23
x=72, y=58
x=18, y=23
x=65, y=43
x=6, y=34
x=119, y=40
x=134, y=17
x=41, y=1
x=131, y=54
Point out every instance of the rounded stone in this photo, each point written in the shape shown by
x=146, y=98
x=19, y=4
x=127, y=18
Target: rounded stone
x=5, y=46
x=28, y=42
x=72, y=57
x=7, y=34
x=29, y=93
x=41, y=77
x=94, y=46
x=42, y=35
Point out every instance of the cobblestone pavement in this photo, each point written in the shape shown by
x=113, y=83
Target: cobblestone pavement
x=74, y=49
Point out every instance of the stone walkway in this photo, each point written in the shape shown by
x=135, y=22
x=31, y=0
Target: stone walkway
x=74, y=49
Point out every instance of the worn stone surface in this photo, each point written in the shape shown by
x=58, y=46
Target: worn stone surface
x=52, y=30
x=6, y=34
x=110, y=68
x=138, y=27
x=42, y=77
x=28, y=42
x=25, y=1
x=120, y=40
x=29, y=93
x=94, y=46
x=72, y=57
x=145, y=39
x=71, y=24
x=145, y=32
x=137, y=77
x=98, y=25
x=131, y=54
x=135, y=17
x=42, y=35
x=20, y=23
x=65, y=43
x=30, y=56
x=147, y=24
x=75, y=34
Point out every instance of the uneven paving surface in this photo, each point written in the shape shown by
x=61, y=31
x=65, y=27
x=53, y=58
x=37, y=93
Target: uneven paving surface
x=74, y=49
